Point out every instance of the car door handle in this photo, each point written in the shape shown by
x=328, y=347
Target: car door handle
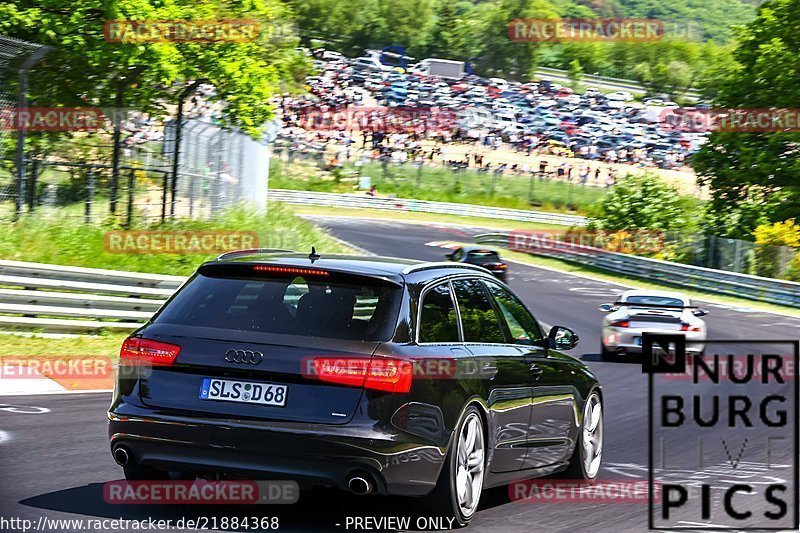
x=533, y=356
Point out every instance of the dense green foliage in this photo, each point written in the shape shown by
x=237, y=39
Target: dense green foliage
x=85, y=69
x=478, y=31
x=711, y=19
x=643, y=202
x=755, y=177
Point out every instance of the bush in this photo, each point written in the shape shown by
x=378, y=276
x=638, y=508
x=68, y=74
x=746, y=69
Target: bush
x=644, y=202
x=772, y=241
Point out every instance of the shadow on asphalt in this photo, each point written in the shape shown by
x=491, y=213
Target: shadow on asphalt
x=624, y=359
x=320, y=509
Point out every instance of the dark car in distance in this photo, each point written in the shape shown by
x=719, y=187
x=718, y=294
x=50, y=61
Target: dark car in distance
x=482, y=257
x=370, y=374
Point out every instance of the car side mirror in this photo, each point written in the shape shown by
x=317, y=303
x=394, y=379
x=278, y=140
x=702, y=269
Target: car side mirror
x=607, y=308
x=699, y=312
x=561, y=338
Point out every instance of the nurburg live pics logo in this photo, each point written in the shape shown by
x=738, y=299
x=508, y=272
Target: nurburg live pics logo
x=722, y=445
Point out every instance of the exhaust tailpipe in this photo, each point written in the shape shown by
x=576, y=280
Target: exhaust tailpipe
x=359, y=485
x=121, y=456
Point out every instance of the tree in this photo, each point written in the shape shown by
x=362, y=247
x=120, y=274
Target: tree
x=447, y=39
x=757, y=172
x=575, y=73
x=497, y=53
x=85, y=69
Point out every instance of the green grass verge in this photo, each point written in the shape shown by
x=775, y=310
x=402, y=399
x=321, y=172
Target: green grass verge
x=418, y=217
x=440, y=184
x=65, y=240
x=103, y=345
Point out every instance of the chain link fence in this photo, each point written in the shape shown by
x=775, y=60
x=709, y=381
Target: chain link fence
x=218, y=168
x=16, y=57
x=736, y=255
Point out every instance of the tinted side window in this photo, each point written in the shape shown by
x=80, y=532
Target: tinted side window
x=478, y=317
x=438, y=317
x=521, y=324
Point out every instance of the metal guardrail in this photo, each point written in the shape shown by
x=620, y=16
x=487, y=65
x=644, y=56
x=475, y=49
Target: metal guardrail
x=716, y=281
x=62, y=299
x=605, y=81
x=26, y=307
x=423, y=206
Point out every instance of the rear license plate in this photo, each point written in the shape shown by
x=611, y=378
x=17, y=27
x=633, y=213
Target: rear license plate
x=637, y=341
x=228, y=390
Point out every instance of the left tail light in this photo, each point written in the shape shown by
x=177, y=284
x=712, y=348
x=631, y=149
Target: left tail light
x=147, y=352
x=689, y=327
x=621, y=324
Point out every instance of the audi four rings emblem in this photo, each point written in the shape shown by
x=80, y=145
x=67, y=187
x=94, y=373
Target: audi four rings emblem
x=245, y=357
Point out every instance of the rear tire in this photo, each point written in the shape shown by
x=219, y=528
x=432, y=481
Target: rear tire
x=458, y=492
x=585, y=461
x=606, y=354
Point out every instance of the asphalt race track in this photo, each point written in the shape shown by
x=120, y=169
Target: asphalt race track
x=54, y=456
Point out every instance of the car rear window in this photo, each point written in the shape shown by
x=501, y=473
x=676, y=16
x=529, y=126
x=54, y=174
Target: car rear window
x=654, y=300
x=484, y=255
x=305, y=303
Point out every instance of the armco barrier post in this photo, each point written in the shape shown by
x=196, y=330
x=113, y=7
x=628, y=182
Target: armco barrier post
x=89, y=196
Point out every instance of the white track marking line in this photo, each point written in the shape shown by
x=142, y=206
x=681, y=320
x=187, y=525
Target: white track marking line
x=31, y=383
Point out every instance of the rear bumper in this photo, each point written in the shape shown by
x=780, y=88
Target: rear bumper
x=314, y=454
x=625, y=340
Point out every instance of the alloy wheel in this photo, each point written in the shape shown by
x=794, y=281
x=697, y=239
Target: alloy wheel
x=592, y=435
x=470, y=465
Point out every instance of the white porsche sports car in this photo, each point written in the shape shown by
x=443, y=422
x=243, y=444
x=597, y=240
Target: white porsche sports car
x=638, y=311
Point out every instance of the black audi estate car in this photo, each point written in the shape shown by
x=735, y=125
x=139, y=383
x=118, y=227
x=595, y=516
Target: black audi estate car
x=370, y=374
x=483, y=257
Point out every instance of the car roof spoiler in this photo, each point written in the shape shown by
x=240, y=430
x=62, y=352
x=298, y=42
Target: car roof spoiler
x=659, y=306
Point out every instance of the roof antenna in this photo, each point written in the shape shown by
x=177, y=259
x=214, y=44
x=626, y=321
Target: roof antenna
x=313, y=256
